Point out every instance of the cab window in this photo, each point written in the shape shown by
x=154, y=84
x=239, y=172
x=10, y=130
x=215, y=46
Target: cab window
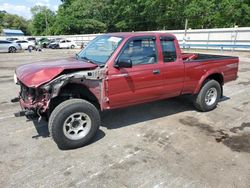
x=140, y=51
x=168, y=50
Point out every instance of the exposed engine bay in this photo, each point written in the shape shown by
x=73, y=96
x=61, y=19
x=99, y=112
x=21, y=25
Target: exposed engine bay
x=37, y=100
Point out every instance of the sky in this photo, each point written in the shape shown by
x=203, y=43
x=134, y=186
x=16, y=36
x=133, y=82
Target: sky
x=22, y=7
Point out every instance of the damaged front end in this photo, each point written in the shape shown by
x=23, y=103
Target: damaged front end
x=35, y=101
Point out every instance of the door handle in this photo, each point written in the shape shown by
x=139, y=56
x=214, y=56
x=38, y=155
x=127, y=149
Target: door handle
x=157, y=71
x=121, y=75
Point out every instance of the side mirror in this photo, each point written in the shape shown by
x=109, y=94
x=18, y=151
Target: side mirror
x=123, y=63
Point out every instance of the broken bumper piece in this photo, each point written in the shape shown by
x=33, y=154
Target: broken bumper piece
x=26, y=113
x=15, y=100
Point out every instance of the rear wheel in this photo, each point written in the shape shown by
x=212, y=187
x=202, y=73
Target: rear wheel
x=73, y=123
x=12, y=49
x=72, y=46
x=208, y=97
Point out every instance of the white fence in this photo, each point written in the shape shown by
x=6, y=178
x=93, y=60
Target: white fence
x=223, y=38
x=226, y=38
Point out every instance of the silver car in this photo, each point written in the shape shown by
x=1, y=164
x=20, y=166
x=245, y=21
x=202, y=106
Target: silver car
x=8, y=46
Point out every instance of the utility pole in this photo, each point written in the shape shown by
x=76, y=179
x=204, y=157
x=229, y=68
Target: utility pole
x=185, y=34
x=186, y=25
x=46, y=21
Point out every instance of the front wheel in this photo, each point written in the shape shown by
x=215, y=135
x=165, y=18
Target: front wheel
x=73, y=123
x=12, y=49
x=208, y=97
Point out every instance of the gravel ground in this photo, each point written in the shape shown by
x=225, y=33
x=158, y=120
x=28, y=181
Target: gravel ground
x=160, y=144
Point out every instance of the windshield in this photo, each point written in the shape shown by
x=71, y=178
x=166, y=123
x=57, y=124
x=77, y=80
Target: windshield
x=100, y=49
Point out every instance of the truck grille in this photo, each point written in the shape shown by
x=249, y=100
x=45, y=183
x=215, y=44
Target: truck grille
x=27, y=92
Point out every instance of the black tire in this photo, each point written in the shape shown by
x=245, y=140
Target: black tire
x=200, y=99
x=72, y=46
x=12, y=49
x=62, y=112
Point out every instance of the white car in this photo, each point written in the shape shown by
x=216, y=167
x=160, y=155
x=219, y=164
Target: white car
x=8, y=46
x=65, y=43
x=25, y=44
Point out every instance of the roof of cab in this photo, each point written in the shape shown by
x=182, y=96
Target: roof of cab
x=133, y=34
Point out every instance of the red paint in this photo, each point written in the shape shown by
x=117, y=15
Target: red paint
x=176, y=78
x=122, y=87
x=36, y=74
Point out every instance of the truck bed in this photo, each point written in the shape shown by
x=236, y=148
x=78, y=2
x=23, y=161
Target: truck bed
x=193, y=57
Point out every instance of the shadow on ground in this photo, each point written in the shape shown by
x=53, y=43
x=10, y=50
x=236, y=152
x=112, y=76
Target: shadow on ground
x=41, y=128
x=114, y=119
x=118, y=118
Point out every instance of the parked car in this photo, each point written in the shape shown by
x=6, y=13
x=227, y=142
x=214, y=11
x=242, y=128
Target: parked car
x=43, y=42
x=32, y=39
x=54, y=43
x=62, y=43
x=11, y=39
x=25, y=44
x=8, y=46
x=114, y=71
x=65, y=43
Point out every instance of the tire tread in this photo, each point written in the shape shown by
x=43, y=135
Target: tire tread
x=66, y=104
x=198, y=99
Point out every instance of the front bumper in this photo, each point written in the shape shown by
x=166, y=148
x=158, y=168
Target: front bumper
x=26, y=111
x=33, y=101
x=32, y=111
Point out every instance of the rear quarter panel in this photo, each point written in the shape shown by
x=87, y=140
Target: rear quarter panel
x=196, y=72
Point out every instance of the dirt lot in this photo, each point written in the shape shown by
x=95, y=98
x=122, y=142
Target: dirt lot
x=160, y=144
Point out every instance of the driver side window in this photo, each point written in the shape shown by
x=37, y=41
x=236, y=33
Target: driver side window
x=140, y=51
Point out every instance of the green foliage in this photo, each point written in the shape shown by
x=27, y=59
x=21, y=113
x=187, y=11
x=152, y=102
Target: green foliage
x=98, y=16
x=80, y=17
x=12, y=21
x=86, y=16
x=42, y=20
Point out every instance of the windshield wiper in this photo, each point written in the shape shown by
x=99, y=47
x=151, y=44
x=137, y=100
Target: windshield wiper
x=88, y=60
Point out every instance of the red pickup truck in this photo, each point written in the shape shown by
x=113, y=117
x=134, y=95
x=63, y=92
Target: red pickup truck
x=114, y=71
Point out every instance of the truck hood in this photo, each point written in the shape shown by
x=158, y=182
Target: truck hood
x=36, y=74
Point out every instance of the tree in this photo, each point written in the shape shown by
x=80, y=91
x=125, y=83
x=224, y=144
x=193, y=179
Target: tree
x=81, y=16
x=88, y=16
x=42, y=20
x=212, y=13
x=13, y=21
x=234, y=12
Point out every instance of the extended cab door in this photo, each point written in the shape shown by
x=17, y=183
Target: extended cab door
x=140, y=83
x=173, y=69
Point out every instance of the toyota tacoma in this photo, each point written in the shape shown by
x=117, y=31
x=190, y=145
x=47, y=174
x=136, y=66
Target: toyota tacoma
x=113, y=71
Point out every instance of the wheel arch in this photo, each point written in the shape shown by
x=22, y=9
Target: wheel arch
x=217, y=76
x=74, y=90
